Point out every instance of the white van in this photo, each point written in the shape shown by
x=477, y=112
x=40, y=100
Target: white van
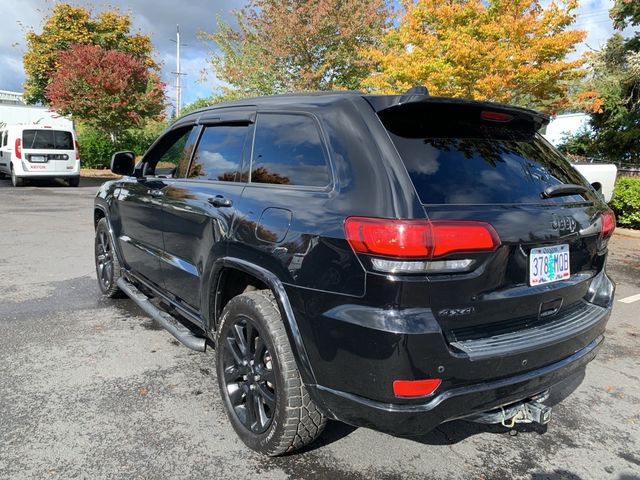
x=39, y=151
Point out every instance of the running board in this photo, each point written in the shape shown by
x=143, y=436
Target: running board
x=170, y=324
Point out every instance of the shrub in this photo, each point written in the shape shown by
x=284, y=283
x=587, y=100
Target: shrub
x=96, y=147
x=626, y=202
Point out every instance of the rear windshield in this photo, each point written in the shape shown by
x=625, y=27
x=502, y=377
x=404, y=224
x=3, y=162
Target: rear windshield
x=454, y=159
x=47, y=139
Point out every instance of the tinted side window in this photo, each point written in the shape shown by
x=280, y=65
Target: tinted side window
x=288, y=151
x=219, y=153
x=172, y=154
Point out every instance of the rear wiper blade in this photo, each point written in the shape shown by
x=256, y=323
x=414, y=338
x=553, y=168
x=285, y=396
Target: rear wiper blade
x=563, y=189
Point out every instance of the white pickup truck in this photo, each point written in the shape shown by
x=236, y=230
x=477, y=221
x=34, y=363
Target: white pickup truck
x=599, y=174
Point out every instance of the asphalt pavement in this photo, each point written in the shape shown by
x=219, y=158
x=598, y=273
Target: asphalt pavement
x=93, y=388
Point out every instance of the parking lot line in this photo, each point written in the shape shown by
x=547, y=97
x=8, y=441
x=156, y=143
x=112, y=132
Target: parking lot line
x=631, y=299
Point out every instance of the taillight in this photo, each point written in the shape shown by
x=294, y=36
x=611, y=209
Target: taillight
x=608, y=223
x=415, y=388
x=389, y=237
x=18, y=148
x=419, y=238
x=461, y=236
x=77, y=149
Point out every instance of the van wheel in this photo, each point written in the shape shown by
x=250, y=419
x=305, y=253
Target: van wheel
x=15, y=180
x=73, y=181
x=261, y=388
x=107, y=265
x=2, y=176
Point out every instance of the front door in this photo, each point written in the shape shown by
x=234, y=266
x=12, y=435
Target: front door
x=139, y=202
x=200, y=208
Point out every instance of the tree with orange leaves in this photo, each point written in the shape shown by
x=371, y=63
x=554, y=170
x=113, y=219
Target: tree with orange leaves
x=512, y=51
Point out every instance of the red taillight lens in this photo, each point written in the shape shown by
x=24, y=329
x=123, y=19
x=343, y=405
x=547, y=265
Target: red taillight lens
x=415, y=388
x=77, y=149
x=389, y=237
x=18, y=148
x=495, y=116
x=418, y=238
x=450, y=237
x=608, y=224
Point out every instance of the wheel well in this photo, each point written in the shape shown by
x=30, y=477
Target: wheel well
x=97, y=216
x=233, y=282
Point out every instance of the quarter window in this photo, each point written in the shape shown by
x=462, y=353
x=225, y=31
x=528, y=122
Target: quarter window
x=288, y=151
x=219, y=153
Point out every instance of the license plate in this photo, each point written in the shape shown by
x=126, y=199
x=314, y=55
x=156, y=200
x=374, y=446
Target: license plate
x=37, y=159
x=548, y=264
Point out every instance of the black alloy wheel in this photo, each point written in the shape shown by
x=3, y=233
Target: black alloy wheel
x=266, y=400
x=107, y=265
x=249, y=376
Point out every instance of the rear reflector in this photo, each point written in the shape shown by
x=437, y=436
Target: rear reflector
x=18, y=148
x=608, y=223
x=415, y=388
x=495, y=116
x=414, y=239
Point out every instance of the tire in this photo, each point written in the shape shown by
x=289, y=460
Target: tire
x=73, y=181
x=107, y=264
x=255, y=366
x=2, y=175
x=15, y=180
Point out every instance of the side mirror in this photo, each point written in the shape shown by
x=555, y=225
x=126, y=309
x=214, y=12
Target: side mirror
x=123, y=163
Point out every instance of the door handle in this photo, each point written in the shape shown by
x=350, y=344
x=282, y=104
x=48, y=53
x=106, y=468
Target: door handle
x=219, y=201
x=155, y=193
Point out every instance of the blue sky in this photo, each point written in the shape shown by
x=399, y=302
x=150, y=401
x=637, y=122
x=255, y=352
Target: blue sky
x=159, y=18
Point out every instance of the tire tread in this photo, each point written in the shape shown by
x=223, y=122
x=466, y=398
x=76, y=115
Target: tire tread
x=303, y=422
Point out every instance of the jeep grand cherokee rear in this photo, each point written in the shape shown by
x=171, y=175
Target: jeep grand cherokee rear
x=392, y=262
x=496, y=294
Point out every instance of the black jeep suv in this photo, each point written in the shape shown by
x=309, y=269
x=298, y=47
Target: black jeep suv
x=392, y=262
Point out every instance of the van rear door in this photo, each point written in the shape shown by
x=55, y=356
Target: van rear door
x=48, y=150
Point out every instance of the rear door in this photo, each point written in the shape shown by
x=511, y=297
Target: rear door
x=200, y=207
x=48, y=150
x=475, y=163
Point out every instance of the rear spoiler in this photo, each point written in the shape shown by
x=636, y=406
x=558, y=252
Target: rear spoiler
x=390, y=103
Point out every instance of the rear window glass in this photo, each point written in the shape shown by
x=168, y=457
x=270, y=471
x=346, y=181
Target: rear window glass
x=466, y=161
x=47, y=139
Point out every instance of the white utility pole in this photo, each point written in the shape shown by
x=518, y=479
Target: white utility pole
x=178, y=73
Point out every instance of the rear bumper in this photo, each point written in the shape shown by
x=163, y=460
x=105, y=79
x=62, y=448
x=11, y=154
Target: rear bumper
x=356, y=352
x=32, y=170
x=416, y=419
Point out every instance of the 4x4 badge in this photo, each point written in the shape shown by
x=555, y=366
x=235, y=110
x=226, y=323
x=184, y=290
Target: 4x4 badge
x=564, y=223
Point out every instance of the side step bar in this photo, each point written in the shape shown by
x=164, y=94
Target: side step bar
x=173, y=326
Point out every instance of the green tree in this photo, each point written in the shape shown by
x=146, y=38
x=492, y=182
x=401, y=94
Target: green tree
x=68, y=25
x=612, y=92
x=291, y=45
